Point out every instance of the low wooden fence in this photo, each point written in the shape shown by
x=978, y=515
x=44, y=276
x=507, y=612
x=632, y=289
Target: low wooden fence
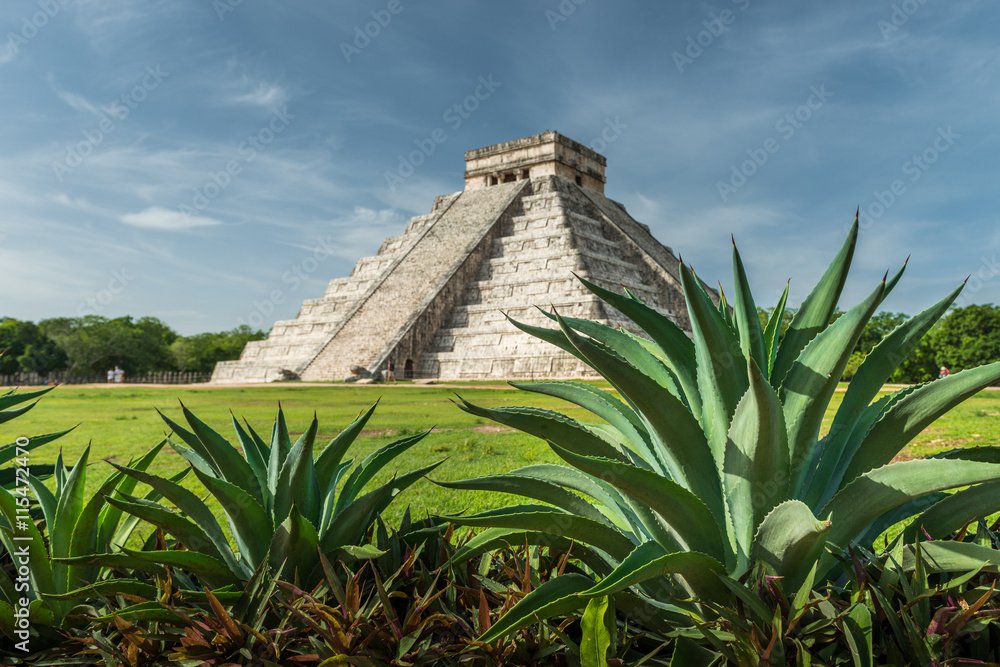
x=33, y=379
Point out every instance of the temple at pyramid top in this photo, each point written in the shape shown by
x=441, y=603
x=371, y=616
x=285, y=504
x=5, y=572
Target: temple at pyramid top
x=546, y=154
x=436, y=299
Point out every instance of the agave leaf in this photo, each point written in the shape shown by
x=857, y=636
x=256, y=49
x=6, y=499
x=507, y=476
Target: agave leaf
x=108, y=517
x=610, y=500
x=681, y=442
x=756, y=473
x=14, y=397
x=809, y=384
x=69, y=505
x=530, y=487
x=257, y=454
x=721, y=368
x=210, y=569
x=914, y=412
x=603, y=404
x=350, y=523
x=548, y=425
x=7, y=415
x=229, y=463
x=112, y=587
x=400, y=483
x=687, y=518
x=114, y=529
x=548, y=520
x=628, y=348
x=697, y=572
x=293, y=551
x=752, y=340
x=790, y=540
x=554, y=597
x=119, y=561
x=329, y=459
x=835, y=458
x=951, y=556
x=297, y=481
x=249, y=524
x=9, y=452
x=373, y=464
x=192, y=457
x=883, y=489
x=815, y=312
x=954, y=511
x=873, y=374
x=676, y=346
x=772, y=333
x=491, y=539
x=281, y=444
x=193, y=535
x=40, y=571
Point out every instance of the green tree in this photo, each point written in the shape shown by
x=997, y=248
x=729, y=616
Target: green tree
x=25, y=346
x=93, y=344
x=200, y=353
x=967, y=337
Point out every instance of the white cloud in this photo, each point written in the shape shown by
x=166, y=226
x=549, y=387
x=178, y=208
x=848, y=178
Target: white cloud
x=157, y=217
x=262, y=95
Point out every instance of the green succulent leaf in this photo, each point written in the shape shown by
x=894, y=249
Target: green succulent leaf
x=810, y=383
x=772, y=333
x=554, y=597
x=881, y=490
x=752, y=340
x=297, y=480
x=912, y=413
x=721, y=366
x=677, y=348
x=790, y=540
x=816, y=310
x=697, y=572
x=756, y=469
x=686, y=517
x=548, y=520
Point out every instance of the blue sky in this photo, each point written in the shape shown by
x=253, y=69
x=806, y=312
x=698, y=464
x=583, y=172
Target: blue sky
x=214, y=162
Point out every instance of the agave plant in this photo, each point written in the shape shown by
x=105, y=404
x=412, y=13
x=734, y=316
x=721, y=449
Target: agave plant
x=19, y=448
x=282, y=506
x=74, y=525
x=714, y=459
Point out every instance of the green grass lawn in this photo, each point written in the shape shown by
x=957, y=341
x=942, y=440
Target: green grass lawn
x=120, y=422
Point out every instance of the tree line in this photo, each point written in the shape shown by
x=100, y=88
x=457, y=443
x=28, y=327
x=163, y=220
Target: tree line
x=966, y=337
x=90, y=345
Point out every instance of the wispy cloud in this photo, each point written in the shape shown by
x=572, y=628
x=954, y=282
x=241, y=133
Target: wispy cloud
x=157, y=217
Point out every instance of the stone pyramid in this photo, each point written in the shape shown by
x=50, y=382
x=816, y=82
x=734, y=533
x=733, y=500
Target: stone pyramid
x=533, y=213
